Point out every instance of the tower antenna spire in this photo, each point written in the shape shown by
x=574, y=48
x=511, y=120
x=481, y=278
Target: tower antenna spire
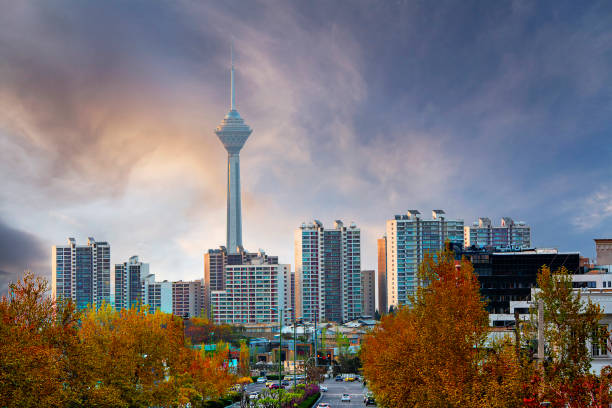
x=233, y=95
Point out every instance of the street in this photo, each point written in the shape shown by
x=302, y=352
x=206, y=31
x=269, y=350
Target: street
x=336, y=389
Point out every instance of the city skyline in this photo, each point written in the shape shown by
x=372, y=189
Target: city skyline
x=119, y=144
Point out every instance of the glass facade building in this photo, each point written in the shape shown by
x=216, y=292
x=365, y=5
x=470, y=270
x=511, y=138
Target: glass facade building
x=81, y=273
x=409, y=238
x=509, y=275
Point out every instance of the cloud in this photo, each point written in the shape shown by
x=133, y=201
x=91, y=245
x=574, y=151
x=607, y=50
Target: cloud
x=359, y=112
x=19, y=250
x=595, y=210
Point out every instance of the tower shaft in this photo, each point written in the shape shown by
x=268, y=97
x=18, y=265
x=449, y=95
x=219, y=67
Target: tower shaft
x=234, y=204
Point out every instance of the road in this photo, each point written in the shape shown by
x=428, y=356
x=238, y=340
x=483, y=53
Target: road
x=335, y=390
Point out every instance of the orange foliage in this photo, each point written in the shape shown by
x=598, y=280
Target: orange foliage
x=51, y=355
x=431, y=354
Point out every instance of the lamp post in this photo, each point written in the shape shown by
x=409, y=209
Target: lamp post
x=280, y=348
x=295, y=352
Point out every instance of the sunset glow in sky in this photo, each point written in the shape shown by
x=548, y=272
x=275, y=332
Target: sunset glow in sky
x=360, y=110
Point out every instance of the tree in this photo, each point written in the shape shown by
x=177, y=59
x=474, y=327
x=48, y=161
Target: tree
x=570, y=323
x=431, y=353
x=244, y=367
x=30, y=374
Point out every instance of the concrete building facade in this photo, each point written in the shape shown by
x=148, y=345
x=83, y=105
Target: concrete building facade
x=328, y=272
x=81, y=273
x=368, y=293
x=603, y=249
x=409, y=238
x=129, y=277
x=254, y=293
x=382, y=275
x=188, y=298
x=509, y=234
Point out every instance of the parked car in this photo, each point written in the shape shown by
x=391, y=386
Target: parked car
x=261, y=380
x=345, y=398
x=339, y=378
x=323, y=388
x=253, y=395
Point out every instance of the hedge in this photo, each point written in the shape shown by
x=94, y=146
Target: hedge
x=309, y=402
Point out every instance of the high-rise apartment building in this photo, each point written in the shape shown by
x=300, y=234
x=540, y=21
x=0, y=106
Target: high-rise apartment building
x=409, y=238
x=603, y=249
x=328, y=272
x=254, y=293
x=188, y=298
x=129, y=278
x=157, y=295
x=509, y=234
x=382, y=275
x=368, y=293
x=82, y=273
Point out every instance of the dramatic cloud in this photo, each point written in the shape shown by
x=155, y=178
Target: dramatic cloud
x=360, y=110
x=20, y=251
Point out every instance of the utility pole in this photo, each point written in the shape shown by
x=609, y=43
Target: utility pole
x=280, y=353
x=541, y=331
x=517, y=335
x=315, y=340
x=294, y=352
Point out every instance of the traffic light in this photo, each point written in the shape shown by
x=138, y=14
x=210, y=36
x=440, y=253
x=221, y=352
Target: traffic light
x=329, y=358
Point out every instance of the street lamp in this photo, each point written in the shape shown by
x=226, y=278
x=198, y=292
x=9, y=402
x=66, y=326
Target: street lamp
x=295, y=352
x=280, y=347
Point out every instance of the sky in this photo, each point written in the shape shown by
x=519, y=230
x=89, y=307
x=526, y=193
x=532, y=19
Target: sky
x=360, y=110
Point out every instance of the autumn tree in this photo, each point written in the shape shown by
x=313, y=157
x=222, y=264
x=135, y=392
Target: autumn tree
x=570, y=324
x=53, y=356
x=29, y=370
x=432, y=352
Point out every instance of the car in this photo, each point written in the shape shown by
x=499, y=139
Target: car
x=253, y=395
x=368, y=398
x=269, y=383
x=274, y=386
x=345, y=398
x=323, y=405
x=323, y=388
x=285, y=383
x=339, y=378
x=261, y=380
x=288, y=378
x=349, y=379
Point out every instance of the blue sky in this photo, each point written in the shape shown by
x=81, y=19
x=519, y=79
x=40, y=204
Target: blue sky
x=360, y=110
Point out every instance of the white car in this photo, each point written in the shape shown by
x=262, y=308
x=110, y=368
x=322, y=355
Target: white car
x=323, y=405
x=345, y=398
x=261, y=380
x=253, y=395
x=323, y=388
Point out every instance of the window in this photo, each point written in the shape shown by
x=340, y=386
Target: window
x=597, y=348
